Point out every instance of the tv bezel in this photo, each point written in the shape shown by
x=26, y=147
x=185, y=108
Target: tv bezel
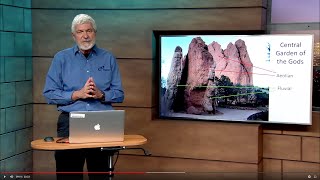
x=157, y=34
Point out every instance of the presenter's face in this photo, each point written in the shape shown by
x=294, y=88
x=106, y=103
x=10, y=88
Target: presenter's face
x=84, y=36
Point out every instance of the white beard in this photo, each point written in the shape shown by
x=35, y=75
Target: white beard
x=85, y=46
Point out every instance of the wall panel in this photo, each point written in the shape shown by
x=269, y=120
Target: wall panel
x=137, y=83
x=281, y=147
x=41, y=65
x=145, y=4
x=43, y=161
x=272, y=169
x=15, y=85
x=311, y=149
x=204, y=140
x=128, y=33
x=45, y=119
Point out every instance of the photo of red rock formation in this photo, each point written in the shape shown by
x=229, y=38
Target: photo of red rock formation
x=213, y=82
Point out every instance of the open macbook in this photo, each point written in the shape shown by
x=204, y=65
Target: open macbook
x=96, y=126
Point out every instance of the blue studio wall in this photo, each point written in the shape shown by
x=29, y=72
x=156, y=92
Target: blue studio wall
x=15, y=85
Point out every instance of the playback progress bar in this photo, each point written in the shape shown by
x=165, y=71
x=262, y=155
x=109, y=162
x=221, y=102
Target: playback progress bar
x=161, y=172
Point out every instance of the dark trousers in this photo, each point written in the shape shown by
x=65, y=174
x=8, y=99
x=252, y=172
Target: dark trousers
x=73, y=160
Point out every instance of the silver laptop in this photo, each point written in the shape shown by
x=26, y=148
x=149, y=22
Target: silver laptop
x=96, y=126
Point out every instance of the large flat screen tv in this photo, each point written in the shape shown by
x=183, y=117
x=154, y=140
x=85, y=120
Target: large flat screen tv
x=244, y=76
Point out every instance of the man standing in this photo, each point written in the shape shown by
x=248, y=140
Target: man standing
x=82, y=78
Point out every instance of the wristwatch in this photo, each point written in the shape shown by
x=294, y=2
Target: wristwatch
x=103, y=96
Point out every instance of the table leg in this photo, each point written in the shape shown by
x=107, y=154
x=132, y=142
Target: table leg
x=110, y=166
x=110, y=153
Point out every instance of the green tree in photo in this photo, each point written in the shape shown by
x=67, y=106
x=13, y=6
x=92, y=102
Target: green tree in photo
x=225, y=89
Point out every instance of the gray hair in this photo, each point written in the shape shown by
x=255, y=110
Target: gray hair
x=82, y=19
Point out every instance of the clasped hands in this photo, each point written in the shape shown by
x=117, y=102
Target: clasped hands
x=89, y=90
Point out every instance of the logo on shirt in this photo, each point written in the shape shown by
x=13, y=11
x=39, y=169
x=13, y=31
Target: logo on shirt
x=102, y=68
